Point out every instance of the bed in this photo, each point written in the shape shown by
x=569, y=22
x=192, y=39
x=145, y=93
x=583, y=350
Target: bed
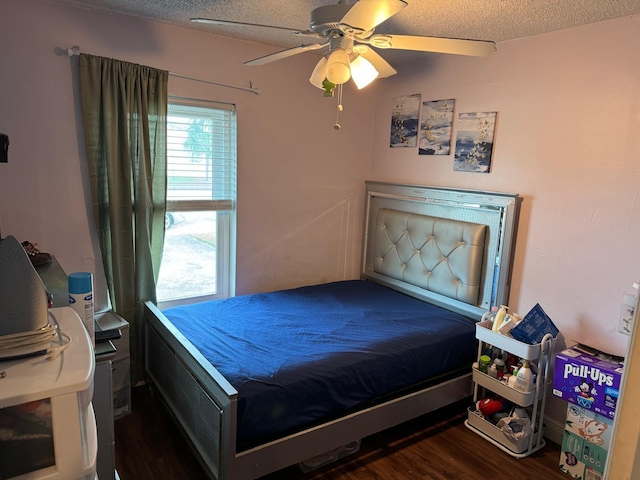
x=360, y=355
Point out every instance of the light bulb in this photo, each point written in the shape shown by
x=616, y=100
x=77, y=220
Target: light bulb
x=363, y=72
x=338, y=70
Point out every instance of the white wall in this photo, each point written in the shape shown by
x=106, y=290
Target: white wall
x=567, y=141
x=301, y=183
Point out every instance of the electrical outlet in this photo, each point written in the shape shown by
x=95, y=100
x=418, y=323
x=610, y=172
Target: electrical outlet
x=627, y=314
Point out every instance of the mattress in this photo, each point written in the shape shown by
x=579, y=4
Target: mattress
x=305, y=355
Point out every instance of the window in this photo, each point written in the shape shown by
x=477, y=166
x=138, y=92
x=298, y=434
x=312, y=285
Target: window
x=199, y=247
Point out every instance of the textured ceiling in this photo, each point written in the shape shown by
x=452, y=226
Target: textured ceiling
x=496, y=20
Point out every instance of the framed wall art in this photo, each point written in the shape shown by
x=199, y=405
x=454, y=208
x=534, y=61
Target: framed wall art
x=436, y=127
x=404, y=121
x=474, y=141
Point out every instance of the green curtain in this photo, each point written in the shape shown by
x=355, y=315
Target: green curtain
x=125, y=113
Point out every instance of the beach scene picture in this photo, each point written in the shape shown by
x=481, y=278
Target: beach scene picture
x=436, y=127
x=404, y=121
x=474, y=142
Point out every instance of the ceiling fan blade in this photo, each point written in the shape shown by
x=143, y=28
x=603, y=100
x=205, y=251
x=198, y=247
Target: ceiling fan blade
x=285, y=53
x=366, y=15
x=380, y=64
x=229, y=23
x=456, y=46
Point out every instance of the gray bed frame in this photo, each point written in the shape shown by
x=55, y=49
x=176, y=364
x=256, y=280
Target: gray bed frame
x=204, y=403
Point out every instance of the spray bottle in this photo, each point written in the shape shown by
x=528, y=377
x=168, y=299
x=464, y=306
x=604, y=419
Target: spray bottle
x=81, y=300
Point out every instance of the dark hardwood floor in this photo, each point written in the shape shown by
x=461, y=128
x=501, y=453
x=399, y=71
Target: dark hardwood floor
x=149, y=446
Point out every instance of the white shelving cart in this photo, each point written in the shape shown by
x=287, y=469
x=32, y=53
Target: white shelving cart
x=540, y=355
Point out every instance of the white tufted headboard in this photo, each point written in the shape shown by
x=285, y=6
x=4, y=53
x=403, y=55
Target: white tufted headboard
x=437, y=254
x=449, y=247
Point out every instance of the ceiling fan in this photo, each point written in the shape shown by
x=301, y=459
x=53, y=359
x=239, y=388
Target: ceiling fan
x=348, y=32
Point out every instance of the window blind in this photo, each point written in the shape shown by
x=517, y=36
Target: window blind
x=201, y=152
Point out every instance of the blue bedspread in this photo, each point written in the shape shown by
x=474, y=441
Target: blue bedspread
x=303, y=355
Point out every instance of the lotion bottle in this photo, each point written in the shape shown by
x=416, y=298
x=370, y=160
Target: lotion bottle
x=513, y=378
x=499, y=318
x=524, y=379
x=510, y=321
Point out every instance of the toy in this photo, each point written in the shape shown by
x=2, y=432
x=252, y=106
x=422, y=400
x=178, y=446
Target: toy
x=489, y=406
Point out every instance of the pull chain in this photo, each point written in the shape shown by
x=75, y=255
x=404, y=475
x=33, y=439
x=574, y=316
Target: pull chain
x=336, y=126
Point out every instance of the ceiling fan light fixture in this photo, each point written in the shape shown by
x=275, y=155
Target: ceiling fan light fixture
x=347, y=29
x=363, y=72
x=338, y=67
x=319, y=73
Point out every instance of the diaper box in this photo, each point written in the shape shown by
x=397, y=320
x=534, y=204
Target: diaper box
x=586, y=378
x=585, y=444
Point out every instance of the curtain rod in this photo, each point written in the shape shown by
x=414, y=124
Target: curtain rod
x=75, y=50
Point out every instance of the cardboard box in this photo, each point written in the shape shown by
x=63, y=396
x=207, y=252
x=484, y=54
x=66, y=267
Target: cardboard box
x=583, y=378
x=585, y=444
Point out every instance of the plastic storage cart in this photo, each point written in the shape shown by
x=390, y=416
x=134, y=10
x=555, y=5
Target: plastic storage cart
x=540, y=355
